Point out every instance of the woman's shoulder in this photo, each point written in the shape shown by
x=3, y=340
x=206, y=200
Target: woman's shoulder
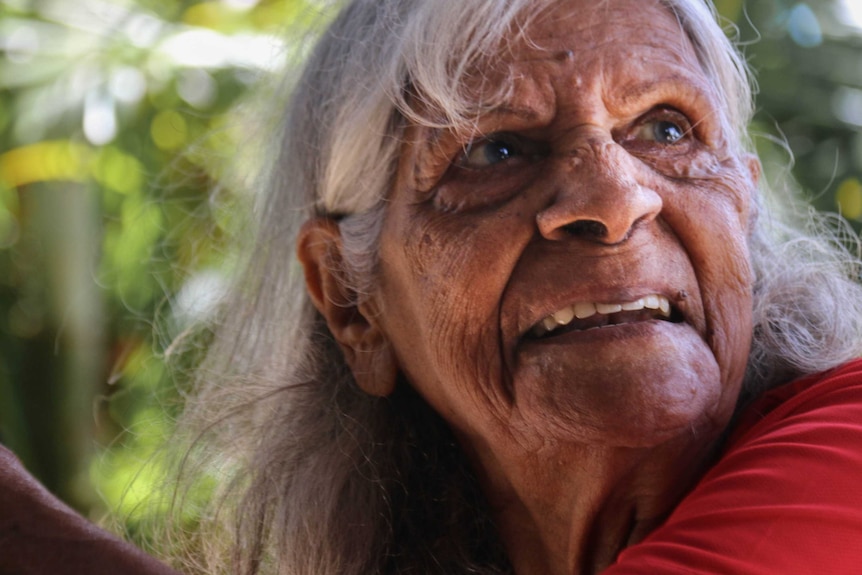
x=784, y=496
x=826, y=395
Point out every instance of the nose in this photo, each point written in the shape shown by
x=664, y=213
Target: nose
x=597, y=196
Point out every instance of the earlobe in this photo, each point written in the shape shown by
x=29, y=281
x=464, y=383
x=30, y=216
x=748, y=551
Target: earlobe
x=755, y=172
x=754, y=168
x=354, y=325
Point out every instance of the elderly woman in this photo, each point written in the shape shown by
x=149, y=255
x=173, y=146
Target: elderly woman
x=546, y=324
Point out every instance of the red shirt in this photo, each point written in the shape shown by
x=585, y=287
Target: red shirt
x=785, y=498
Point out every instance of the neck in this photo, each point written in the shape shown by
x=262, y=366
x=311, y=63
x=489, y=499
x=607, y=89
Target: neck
x=570, y=509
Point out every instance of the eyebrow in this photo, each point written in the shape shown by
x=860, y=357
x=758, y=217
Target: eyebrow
x=522, y=113
x=528, y=115
x=679, y=85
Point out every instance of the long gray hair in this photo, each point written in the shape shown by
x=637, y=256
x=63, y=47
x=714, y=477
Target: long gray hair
x=317, y=477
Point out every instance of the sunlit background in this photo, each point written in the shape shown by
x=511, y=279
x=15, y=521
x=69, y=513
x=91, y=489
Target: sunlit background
x=118, y=120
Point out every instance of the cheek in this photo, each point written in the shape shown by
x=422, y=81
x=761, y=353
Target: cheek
x=443, y=278
x=711, y=222
x=726, y=290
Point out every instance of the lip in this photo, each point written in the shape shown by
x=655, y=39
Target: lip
x=679, y=313
x=611, y=333
x=601, y=320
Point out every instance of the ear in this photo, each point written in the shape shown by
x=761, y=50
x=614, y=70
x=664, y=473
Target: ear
x=755, y=169
x=755, y=172
x=353, y=325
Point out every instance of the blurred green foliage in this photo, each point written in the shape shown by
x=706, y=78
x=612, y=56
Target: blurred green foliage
x=117, y=119
x=807, y=57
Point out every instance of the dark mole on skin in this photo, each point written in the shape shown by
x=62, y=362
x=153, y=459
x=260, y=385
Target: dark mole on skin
x=564, y=55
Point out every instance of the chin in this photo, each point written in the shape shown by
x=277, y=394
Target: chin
x=640, y=397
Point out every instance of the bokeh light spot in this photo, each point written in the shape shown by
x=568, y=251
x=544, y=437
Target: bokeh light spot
x=849, y=198
x=117, y=171
x=44, y=162
x=100, y=119
x=205, y=15
x=803, y=26
x=128, y=85
x=197, y=87
x=169, y=130
x=847, y=105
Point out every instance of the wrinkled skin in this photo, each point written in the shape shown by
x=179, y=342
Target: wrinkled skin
x=608, y=174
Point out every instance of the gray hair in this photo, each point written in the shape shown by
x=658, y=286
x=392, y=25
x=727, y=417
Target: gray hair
x=320, y=478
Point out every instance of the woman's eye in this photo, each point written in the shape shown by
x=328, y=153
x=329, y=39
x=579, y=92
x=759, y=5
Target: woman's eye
x=668, y=128
x=488, y=152
x=667, y=132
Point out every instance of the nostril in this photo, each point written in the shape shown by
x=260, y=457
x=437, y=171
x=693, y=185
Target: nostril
x=587, y=229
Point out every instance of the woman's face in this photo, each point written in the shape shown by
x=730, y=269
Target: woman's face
x=577, y=271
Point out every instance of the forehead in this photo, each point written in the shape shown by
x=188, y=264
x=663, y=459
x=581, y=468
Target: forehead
x=623, y=48
x=585, y=26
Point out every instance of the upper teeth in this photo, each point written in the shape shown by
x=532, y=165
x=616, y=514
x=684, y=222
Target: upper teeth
x=583, y=310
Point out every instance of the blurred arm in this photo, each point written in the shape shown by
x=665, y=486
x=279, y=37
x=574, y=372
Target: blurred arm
x=41, y=535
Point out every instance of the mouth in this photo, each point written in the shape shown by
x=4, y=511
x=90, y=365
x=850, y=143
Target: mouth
x=582, y=316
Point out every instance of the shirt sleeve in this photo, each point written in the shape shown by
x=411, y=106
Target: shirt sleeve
x=40, y=535
x=785, y=498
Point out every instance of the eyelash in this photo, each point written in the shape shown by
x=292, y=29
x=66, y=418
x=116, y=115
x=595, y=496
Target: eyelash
x=509, y=146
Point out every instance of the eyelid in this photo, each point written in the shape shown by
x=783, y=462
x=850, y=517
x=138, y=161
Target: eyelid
x=689, y=127
x=667, y=112
x=659, y=113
